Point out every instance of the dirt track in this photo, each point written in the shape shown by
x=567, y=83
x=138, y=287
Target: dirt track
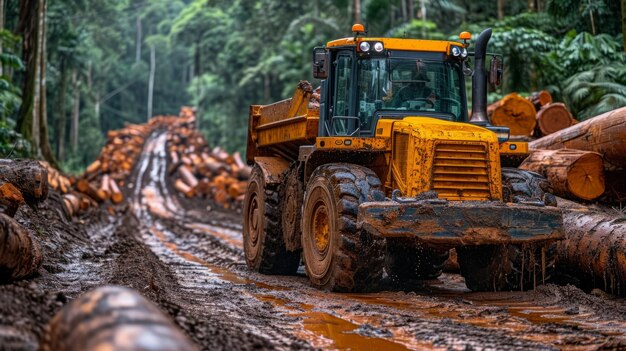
x=189, y=260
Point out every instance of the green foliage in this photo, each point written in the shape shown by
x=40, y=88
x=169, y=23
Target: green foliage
x=9, y=92
x=12, y=145
x=417, y=29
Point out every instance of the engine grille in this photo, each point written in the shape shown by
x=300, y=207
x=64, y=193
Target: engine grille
x=461, y=171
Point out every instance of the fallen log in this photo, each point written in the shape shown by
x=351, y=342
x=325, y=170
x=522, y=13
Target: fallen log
x=30, y=177
x=574, y=174
x=594, y=249
x=604, y=134
x=552, y=118
x=515, y=112
x=20, y=255
x=10, y=198
x=540, y=99
x=116, y=194
x=113, y=318
x=84, y=187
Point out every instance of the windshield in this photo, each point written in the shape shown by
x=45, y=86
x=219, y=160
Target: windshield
x=400, y=85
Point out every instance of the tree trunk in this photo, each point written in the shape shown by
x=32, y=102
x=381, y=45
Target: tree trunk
x=44, y=141
x=75, y=113
x=593, y=24
x=515, y=112
x=61, y=118
x=357, y=11
x=552, y=118
x=411, y=9
x=138, y=41
x=604, y=134
x=574, y=174
x=1, y=28
x=151, y=80
x=28, y=30
x=500, y=9
x=20, y=255
x=594, y=249
x=624, y=22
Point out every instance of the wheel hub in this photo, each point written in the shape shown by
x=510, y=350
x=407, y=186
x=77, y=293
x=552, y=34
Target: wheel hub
x=321, y=228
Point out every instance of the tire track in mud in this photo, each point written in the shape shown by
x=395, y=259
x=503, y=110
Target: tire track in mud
x=207, y=260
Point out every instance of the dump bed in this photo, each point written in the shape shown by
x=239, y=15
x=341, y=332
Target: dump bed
x=279, y=129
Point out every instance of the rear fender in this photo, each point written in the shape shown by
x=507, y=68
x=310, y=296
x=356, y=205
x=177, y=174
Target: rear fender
x=273, y=168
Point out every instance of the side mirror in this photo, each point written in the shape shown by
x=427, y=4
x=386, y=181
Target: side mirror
x=320, y=63
x=495, y=71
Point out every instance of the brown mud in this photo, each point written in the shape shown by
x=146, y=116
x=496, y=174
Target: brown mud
x=186, y=256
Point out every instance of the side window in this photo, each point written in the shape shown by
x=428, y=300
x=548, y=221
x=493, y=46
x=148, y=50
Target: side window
x=343, y=79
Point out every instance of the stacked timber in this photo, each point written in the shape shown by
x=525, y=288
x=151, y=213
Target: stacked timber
x=533, y=116
x=604, y=134
x=203, y=172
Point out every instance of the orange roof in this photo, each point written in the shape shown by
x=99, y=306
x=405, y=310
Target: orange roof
x=400, y=44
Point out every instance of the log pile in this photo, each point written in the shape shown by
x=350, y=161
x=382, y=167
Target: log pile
x=113, y=318
x=200, y=171
x=533, y=116
x=604, y=134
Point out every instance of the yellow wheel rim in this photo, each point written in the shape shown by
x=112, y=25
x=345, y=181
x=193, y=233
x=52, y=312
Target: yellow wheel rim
x=321, y=228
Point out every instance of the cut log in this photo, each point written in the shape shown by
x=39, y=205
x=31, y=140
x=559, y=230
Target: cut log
x=105, y=189
x=594, y=249
x=116, y=195
x=188, y=177
x=94, y=167
x=552, y=118
x=113, y=318
x=72, y=204
x=10, y=198
x=515, y=112
x=184, y=188
x=30, y=177
x=20, y=255
x=574, y=174
x=540, y=99
x=84, y=187
x=604, y=134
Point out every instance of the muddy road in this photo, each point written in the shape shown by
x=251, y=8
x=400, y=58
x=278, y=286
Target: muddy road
x=201, y=249
x=186, y=256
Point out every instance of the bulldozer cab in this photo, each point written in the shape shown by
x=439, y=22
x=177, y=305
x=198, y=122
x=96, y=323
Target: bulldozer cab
x=367, y=81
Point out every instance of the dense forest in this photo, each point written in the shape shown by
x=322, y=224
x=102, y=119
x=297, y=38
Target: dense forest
x=70, y=70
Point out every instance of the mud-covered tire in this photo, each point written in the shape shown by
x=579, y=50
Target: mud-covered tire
x=408, y=259
x=337, y=256
x=292, y=195
x=521, y=186
x=263, y=243
x=506, y=267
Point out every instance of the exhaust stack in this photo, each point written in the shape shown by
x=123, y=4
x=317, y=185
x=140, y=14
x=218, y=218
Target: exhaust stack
x=479, y=80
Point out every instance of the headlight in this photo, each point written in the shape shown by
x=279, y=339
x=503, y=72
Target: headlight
x=378, y=47
x=464, y=53
x=364, y=46
x=456, y=51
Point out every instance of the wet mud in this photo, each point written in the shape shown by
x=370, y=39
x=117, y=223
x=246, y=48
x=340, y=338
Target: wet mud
x=187, y=257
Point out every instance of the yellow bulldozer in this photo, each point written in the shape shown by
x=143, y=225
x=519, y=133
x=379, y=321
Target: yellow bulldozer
x=381, y=171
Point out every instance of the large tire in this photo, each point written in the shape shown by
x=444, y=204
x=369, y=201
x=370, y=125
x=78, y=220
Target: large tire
x=506, y=267
x=521, y=186
x=292, y=195
x=264, y=247
x=337, y=256
x=408, y=259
